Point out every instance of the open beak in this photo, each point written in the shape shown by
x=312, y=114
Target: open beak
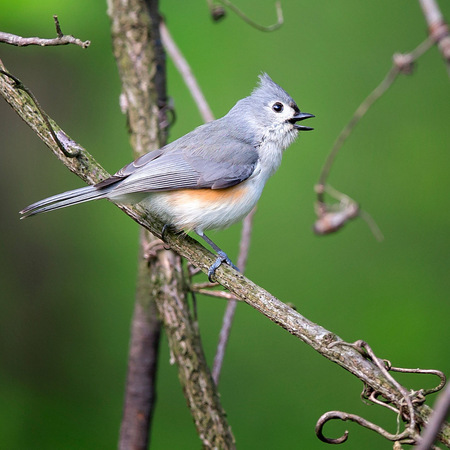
x=301, y=116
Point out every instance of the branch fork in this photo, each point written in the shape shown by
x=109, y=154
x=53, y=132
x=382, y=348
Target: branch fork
x=61, y=39
x=404, y=405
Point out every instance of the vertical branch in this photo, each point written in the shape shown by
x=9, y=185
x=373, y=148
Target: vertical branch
x=186, y=348
x=140, y=59
x=140, y=394
x=137, y=50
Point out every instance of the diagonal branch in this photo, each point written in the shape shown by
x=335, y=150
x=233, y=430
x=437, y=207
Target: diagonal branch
x=437, y=28
x=135, y=27
x=143, y=96
x=319, y=338
x=194, y=374
x=441, y=411
x=61, y=39
x=186, y=73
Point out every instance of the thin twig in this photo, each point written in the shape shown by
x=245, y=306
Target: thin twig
x=251, y=22
x=218, y=294
x=244, y=245
x=225, y=331
x=186, y=72
x=61, y=39
x=359, y=420
x=410, y=434
x=402, y=63
x=205, y=285
x=405, y=394
x=438, y=373
x=437, y=28
x=373, y=398
x=441, y=411
x=357, y=116
x=21, y=86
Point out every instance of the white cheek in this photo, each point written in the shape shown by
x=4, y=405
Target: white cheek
x=289, y=137
x=282, y=135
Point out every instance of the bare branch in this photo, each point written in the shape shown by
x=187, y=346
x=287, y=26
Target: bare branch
x=402, y=63
x=20, y=85
x=61, y=39
x=218, y=294
x=144, y=99
x=140, y=392
x=185, y=70
x=204, y=403
x=413, y=398
x=361, y=421
x=251, y=22
x=438, y=373
x=280, y=313
x=438, y=28
x=441, y=411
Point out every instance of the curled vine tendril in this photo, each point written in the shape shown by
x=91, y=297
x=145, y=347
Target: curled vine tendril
x=408, y=399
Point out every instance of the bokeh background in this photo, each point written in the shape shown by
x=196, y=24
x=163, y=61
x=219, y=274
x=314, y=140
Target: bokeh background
x=67, y=278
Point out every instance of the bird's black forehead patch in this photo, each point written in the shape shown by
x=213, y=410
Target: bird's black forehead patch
x=294, y=106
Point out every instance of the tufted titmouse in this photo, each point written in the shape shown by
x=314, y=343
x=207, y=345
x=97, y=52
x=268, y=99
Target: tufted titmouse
x=210, y=178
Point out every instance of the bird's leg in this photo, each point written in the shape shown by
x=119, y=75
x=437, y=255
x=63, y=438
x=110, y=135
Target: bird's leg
x=170, y=227
x=222, y=257
x=163, y=231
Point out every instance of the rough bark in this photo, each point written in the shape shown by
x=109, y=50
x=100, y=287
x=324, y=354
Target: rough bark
x=141, y=63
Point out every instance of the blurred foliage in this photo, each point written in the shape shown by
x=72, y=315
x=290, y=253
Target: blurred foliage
x=67, y=278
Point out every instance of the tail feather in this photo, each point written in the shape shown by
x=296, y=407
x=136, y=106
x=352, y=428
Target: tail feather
x=63, y=200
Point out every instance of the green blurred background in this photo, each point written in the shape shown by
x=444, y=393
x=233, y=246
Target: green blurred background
x=67, y=278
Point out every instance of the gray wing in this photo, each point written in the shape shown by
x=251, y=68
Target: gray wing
x=209, y=157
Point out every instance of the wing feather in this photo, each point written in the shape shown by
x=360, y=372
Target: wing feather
x=222, y=160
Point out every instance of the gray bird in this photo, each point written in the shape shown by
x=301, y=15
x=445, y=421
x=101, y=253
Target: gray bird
x=210, y=178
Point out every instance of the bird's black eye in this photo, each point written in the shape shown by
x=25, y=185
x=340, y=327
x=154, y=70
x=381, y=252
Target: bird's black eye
x=278, y=107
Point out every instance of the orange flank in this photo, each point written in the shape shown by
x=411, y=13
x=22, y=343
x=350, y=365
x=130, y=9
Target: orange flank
x=207, y=197
x=205, y=209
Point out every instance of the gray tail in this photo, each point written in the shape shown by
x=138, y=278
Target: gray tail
x=68, y=198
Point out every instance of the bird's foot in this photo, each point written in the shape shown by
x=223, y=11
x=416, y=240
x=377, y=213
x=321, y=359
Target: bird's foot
x=221, y=258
